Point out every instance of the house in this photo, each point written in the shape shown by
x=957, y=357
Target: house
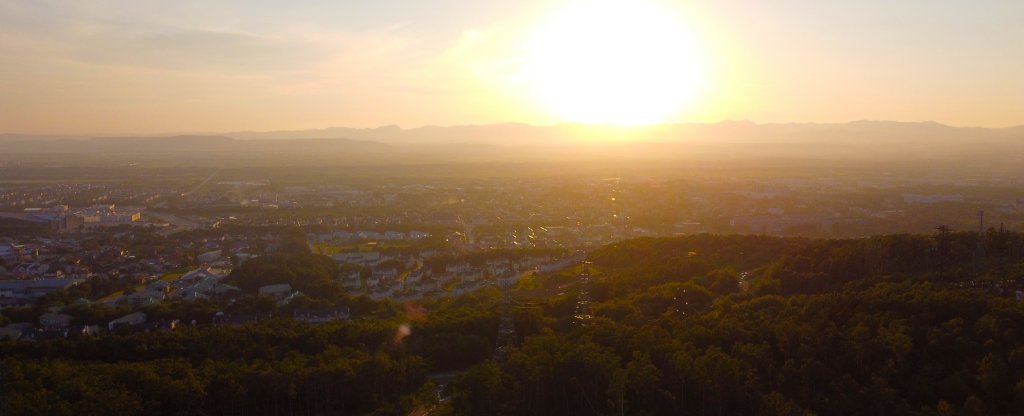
x=535, y=260
x=190, y=295
x=31, y=269
x=203, y=273
x=498, y=266
x=780, y=224
x=144, y=297
x=418, y=275
x=472, y=275
x=130, y=320
x=54, y=321
x=83, y=330
x=499, y=262
x=369, y=235
x=507, y=279
x=7, y=254
x=163, y=325
x=304, y=315
x=225, y=290
x=386, y=274
x=446, y=219
x=931, y=198
x=288, y=299
x=20, y=291
x=243, y=257
x=352, y=285
x=560, y=264
x=343, y=236
x=14, y=331
x=368, y=258
x=209, y=256
x=278, y=291
x=220, y=318
x=457, y=267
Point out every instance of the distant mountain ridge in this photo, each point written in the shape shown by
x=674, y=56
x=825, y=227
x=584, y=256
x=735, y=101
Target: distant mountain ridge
x=864, y=141
x=530, y=133
x=515, y=133
x=144, y=144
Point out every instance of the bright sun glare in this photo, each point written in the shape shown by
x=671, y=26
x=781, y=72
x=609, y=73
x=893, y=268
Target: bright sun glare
x=614, y=61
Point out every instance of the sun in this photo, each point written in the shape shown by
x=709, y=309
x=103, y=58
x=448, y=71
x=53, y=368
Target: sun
x=621, y=62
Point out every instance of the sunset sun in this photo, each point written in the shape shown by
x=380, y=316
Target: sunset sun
x=616, y=62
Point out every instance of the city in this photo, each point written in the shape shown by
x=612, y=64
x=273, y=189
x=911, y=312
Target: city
x=138, y=244
x=506, y=208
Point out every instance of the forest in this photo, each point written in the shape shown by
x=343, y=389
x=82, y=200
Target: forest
x=695, y=325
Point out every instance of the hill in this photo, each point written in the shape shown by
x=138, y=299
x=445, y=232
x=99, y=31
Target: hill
x=904, y=324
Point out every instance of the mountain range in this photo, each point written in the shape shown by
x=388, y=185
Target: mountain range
x=858, y=140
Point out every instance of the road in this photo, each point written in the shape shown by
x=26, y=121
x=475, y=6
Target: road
x=201, y=184
x=441, y=380
x=177, y=223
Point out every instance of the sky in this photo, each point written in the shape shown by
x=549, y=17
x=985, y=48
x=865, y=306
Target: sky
x=121, y=67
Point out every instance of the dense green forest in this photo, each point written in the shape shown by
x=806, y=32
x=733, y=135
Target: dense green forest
x=698, y=325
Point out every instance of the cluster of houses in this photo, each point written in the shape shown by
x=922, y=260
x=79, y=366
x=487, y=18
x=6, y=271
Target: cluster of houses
x=54, y=324
x=40, y=266
x=201, y=283
x=33, y=267
x=72, y=257
x=24, y=292
x=341, y=236
x=80, y=193
x=298, y=314
x=414, y=279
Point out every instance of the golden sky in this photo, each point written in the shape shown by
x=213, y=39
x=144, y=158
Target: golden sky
x=118, y=67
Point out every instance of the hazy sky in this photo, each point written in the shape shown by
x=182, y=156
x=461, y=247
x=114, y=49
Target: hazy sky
x=171, y=66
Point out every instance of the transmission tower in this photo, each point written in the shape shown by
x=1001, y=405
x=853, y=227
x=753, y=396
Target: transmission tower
x=942, y=248
x=979, y=251
x=506, y=341
x=3, y=386
x=584, y=312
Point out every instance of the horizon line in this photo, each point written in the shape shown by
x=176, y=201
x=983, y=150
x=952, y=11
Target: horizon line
x=507, y=123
